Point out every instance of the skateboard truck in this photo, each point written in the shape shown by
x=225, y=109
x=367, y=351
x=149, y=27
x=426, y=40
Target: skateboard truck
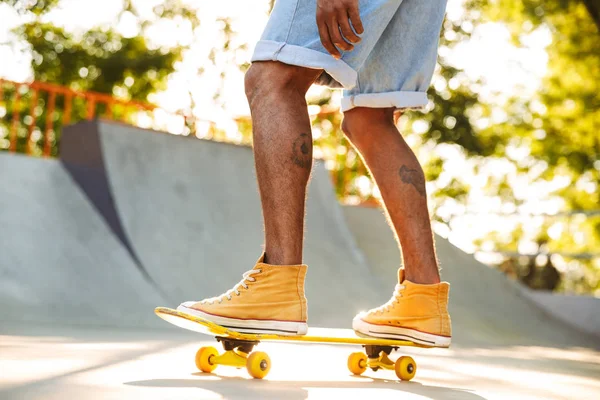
x=376, y=357
x=238, y=353
x=245, y=346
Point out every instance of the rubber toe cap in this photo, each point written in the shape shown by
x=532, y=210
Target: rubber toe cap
x=357, y=319
x=185, y=305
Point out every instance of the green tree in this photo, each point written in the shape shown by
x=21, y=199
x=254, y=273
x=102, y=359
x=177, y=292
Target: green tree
x=561, y=125
x=99, y=59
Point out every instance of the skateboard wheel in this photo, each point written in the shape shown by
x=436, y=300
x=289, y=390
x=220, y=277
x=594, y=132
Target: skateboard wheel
x=405, y=368
x=357, y=363
x=258, y=364
x=204, y=359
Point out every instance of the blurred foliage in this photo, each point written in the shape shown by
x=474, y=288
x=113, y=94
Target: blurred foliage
x=563, y=130
x=542, y=139
x=99, y=59
x=560, y=126
x=36, y=7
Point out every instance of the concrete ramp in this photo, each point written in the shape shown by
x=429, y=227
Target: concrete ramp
x=190, y=210
x=486, y=307
x=59, y=261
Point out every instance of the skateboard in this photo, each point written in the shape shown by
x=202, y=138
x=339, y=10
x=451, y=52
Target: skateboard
x=238, y=347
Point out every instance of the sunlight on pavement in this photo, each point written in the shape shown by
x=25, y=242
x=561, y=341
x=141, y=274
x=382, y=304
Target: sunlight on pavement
x=154, y=369
x=25, y=360
x=28, y=370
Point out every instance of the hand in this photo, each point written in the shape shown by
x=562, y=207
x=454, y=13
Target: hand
x=334, y=16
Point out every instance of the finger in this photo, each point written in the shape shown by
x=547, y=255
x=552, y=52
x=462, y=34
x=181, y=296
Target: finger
x=326, y=40
x=354, y=16
x=336, y=36
x=347, y=31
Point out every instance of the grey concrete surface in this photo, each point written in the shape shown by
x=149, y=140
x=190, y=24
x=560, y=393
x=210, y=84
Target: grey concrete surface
x=82, y=270
x=58, y=261
x=579, y=312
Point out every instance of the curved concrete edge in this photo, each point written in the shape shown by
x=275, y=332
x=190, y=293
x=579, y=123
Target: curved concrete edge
x=579, y=312
x=325, y=189
x=59, y=261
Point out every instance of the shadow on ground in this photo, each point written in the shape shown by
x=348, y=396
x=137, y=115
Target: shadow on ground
x=237, y=387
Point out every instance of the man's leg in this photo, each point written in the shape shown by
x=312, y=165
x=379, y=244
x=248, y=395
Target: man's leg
x=270, y=298
x=418, y=309
x=400, y=179
x=283, y=153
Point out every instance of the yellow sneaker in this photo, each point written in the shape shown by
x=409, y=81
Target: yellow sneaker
x=418, y=313
x=268, y=299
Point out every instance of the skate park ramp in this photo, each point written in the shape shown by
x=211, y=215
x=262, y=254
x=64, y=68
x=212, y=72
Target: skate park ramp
x=59, y=262
x=191, y=211
x=130, y=219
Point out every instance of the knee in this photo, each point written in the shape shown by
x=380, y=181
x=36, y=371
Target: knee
x=267, y=79
x=252, y=80
x=360, y=122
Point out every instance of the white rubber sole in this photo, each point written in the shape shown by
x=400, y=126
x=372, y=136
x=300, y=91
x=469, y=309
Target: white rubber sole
x=283, y=328
x=365, y=329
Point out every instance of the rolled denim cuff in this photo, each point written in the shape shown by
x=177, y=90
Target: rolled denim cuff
x=400, y=100
x=342, y=73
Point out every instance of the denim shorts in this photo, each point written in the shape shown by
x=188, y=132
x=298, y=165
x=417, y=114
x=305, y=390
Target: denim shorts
x=391, y=67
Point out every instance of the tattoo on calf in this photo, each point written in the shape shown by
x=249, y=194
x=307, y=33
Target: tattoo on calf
x=413, y=177
x=301, y=151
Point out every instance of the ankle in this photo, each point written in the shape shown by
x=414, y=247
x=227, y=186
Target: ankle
x=423, y=278
x=279, y=258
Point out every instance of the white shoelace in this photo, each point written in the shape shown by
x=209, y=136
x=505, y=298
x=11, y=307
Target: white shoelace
x=397, y=294
x=247, y=276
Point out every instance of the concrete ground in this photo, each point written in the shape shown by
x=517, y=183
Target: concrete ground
x=42, y=362
x=129, y=220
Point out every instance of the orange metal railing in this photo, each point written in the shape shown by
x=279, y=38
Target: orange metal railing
x=93, y=102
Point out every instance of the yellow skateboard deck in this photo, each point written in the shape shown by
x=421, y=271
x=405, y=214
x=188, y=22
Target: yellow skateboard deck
x=238, y=347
